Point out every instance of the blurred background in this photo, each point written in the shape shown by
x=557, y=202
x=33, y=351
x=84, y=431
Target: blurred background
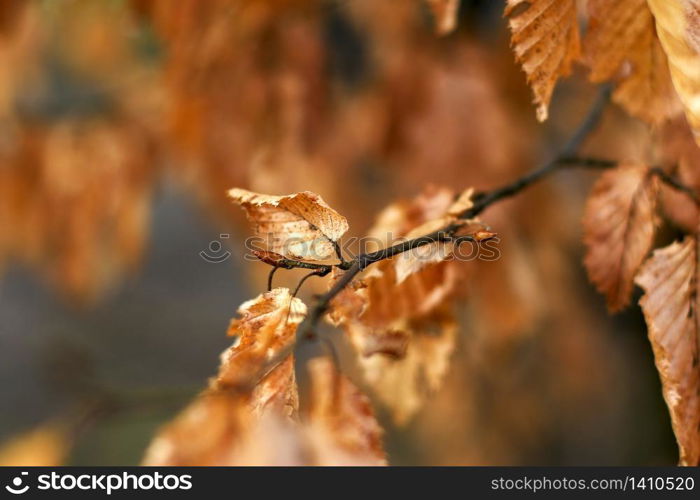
x=124, y=123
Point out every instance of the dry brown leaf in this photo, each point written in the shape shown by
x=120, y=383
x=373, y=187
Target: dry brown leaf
x=619, y=223
x=416, y=259
x=445, y=15
x=45, y=446
x=300, y=226
x=265, y=329
x=342, y=428
x=545, y=38
x=670, y=305
x=621, y=44
x=678, y=28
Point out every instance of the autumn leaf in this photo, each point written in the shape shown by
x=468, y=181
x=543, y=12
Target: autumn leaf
x=670, y=306
x=621, y=44
x=445, y=15
x=678, y=28
x=545, y=38
x=300, y=226
x=341, y=428
x=265, y=331
x=47, y=445
x=405, y=376
x=403, y=343
x=618, y=223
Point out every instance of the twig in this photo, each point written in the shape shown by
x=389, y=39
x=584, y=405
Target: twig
x=659, y=172
x=565, y=159
x=483, y=201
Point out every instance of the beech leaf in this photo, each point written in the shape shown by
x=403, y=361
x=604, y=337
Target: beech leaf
x=670, y=306
x=545, y=38
x=266, y=326
x=299, y=226
x=621, y=45
x=678, y=28
x=618, y=224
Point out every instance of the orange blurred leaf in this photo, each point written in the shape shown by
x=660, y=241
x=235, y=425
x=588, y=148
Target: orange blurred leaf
x=445, y=15
x=618, y=223
x=621, y=44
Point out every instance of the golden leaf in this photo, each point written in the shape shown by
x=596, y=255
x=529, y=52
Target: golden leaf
x=445, y=15
x=678, y=28
x=44, y=446
x=621, y=44
x=206, y=433
x=618, y=225
x=265, y=329
x=670, y=307
x=300, y=226
x=213, y=429
x=545, y=38
x=403, y=342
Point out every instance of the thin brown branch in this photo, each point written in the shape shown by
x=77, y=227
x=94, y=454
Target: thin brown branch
x=483, y=201
x=660, y=172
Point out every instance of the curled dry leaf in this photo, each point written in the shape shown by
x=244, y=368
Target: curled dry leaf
x=265, y=331
x=621, y=45
x=445, y=15
x=678, y=28
x=670, y=305
x=299, y=226
x=618, y=224
x=545, y=38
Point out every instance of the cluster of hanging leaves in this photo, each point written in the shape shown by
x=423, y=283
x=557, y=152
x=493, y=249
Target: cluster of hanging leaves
x=620, y=220
x=250, y=412
x=398, y=317
x=648, y=48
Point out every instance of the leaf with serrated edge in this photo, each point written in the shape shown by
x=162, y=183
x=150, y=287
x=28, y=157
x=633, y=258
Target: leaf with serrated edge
x=621, y=45
x=298, y=226
x=618, y=225
x=670, y=305
x=678, y=28
x=545, y=39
